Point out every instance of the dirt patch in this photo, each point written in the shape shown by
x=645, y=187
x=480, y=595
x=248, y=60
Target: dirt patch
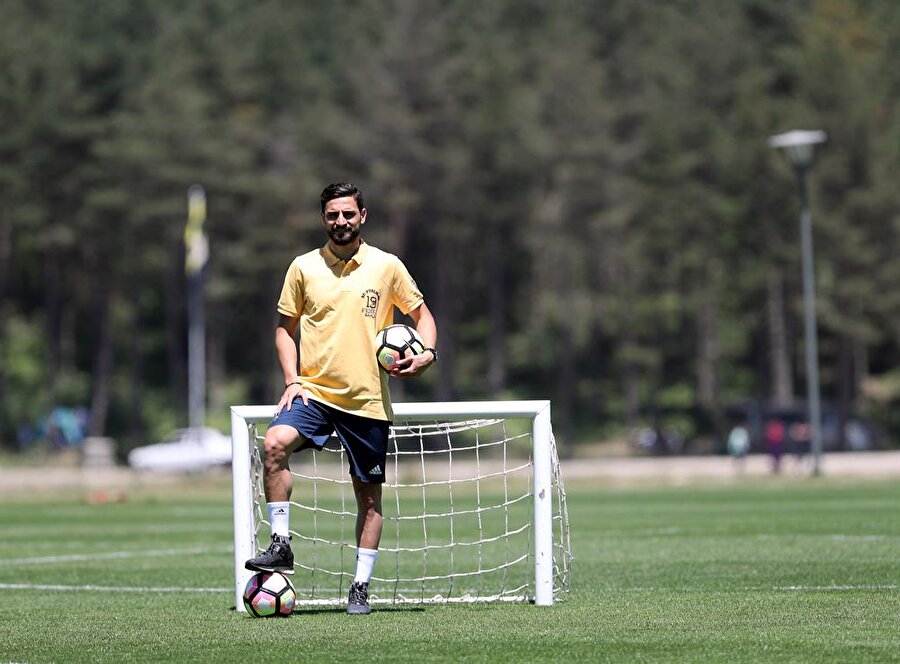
x=108, y=483
x=689, y=469
x=97, y=484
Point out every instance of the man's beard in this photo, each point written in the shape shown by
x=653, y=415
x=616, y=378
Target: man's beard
x=344, y=237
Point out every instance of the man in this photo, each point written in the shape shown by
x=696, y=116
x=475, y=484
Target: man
x=340, y=295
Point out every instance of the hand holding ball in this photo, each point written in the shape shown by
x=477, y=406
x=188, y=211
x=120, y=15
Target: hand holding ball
x=395, y=343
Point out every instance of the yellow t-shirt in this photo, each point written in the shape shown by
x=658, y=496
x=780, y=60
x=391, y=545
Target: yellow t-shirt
x=341, y=306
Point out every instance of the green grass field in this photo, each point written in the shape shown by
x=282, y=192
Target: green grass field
x=763, y=571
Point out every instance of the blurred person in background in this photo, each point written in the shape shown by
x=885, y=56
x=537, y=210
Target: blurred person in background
x=775, y=437
x=739, y=444
x=801, y=442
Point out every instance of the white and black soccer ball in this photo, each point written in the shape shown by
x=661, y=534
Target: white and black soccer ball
x=397, y=342
x=269, y=595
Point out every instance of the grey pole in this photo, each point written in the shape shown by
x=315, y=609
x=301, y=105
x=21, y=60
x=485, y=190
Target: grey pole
x=196, y=255
x=196, y=352
x=800, y=147
x=809, y=320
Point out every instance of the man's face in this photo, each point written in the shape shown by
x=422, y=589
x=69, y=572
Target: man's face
x=343, y=219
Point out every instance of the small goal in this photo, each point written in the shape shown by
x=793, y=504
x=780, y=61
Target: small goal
x=474, y=508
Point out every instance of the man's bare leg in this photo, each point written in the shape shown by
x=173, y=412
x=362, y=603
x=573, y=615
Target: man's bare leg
x=280, y=441
x=369, y=519
x=369, y=523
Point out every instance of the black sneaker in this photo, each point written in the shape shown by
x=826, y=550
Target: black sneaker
x=277, y=558
x=358, y=601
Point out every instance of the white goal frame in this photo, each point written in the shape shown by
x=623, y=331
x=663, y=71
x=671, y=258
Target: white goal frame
x=543, y=448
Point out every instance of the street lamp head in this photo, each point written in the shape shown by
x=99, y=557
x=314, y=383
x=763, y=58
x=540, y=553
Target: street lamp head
x=799, y=144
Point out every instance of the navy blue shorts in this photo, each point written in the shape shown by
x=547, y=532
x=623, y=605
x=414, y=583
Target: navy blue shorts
x=364, y=438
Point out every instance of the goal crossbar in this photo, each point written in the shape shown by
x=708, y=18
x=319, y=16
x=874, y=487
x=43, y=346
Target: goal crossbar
x=244, y=419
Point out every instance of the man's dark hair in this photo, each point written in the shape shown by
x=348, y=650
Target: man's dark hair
x=340, y=190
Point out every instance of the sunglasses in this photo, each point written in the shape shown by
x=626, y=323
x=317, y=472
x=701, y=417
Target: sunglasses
x=333, y=215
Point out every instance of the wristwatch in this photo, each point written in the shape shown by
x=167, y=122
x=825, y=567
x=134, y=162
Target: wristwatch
x=434, y=352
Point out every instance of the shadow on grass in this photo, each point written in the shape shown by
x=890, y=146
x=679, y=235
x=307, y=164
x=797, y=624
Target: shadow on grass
x=343, y=609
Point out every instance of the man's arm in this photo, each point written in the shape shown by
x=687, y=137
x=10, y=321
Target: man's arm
x=286, y=348
x=427, y=329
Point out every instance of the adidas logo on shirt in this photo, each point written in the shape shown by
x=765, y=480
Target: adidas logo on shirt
x=376, y=470
x=280, y=510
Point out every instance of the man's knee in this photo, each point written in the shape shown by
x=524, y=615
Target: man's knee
x=368, y=498
x=279, y=443
x=370, y=506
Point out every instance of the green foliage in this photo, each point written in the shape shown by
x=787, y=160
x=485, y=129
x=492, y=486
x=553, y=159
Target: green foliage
x=22, y=358
x=583, y=191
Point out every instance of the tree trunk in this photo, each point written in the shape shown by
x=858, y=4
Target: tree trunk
x=5, y=255
x=631, y=384
x=398, y=224
x=845, y=386
x=444, y=316
x=103, y=360
x=137, y=364
x=175, y=331
x=496, y=266
x=779, y=363
x=860, y=364
x=268, y=383
x=215, y=357
x=5, y=251
x=708, y=365
x=566, y=381
x=53, y=303
x=707, y=354
x=630, y=378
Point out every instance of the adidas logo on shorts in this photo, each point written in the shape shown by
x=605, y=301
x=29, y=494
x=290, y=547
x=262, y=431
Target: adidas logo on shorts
x=376, y=470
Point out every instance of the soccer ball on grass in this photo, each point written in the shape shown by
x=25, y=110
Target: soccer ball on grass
x=397, y=342
x=269, y=595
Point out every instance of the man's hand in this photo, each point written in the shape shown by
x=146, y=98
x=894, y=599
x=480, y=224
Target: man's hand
x=411, y=367
x=291, y=392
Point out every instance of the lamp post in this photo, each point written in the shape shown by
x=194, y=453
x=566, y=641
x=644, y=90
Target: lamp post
x=800, y=147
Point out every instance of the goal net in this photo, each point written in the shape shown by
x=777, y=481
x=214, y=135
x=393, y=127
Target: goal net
x=474, y=508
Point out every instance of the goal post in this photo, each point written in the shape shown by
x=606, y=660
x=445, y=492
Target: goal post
x=461, y=477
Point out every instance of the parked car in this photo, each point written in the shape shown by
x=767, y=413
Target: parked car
x=185, y=450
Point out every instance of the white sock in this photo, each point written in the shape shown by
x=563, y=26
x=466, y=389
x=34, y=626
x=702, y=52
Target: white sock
x=365, y=561
x=280, y=518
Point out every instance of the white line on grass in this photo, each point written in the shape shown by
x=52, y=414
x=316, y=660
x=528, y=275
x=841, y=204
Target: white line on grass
x=109, y=555
x=653, y=589
x=836, y=587
x=112, y=589
x=183, y=589
x=830, y=538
